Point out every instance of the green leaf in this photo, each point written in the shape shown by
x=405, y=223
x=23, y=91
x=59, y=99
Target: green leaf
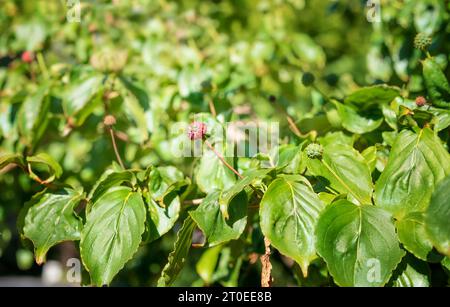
x=33, y=116
x=137, y=105
x=442, y=118
x=446, y=263
x=212, y=222
x=78, y=100
x=50, y=219
x=290, y=159
x=177, y=258
x=207, y=263
x=112, y=233
x=339, y=137
x=308, y=51
x=249, y=177
x=436, y=83
x=11, y=158
x=417, y=162
x=138, y=92
x=412, y=234
x=372, y=95
x=370, y=155
x=54, y=169
x=389, y=115
x=109, y=179
x=345, y=170
x=164, y=180
x=358, y=243
x=357, y=120
x=162, y=218
x=289, y=213
x=411, y=273
x=212, y=174
x=438, y=216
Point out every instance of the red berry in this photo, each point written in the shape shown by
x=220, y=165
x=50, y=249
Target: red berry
x=27, y=56
x=196, y=130
x=421, y=101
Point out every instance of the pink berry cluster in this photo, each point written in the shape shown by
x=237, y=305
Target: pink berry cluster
x=196, y=130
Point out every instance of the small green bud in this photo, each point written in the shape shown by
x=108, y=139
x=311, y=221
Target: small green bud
x=422, y=41
x=314, y=151
x=308, y=79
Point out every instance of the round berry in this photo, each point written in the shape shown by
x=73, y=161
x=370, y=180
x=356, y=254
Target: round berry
x=422, y=41
x=272, y=99
x=308, y=79
x=27, y=56
x=109, y=120
x=314, y=151
x=421, y=101
x=196, y=130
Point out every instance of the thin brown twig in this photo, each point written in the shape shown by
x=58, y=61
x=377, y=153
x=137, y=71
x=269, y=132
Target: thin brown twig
x=219, y=155
x=212, y=108
x=116, y=151
x=266, y=271
x=293, y=126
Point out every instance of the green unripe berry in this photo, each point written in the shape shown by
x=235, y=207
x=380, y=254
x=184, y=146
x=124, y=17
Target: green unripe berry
x=308, y=79
x=422, y=41
x=314, y=151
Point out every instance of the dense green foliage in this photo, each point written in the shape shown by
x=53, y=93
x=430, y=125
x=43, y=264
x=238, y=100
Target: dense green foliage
x=356, y=191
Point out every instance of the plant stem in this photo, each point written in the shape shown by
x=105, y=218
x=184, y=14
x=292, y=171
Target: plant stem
x=296, y=130
x=266, y=271
x=116, y=151
x=219, y=155
x=212, y=108
x=293, y=126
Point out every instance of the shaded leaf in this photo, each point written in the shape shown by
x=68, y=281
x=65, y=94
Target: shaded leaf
x=207, y=263
x=411, y=273
x=289, y=213
x=54, y=168
x=109, y=179
x=177, y=258
x=249, y=177
x=412, y=234
x=112, y=233
x=358, y=121
x=417, y=162
x=212, y=222
x=358, y=243
x=345, y=170
x=50, y=219
x=368, y=96
x=162, y=218
x=437, y=217
x=11, y=158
